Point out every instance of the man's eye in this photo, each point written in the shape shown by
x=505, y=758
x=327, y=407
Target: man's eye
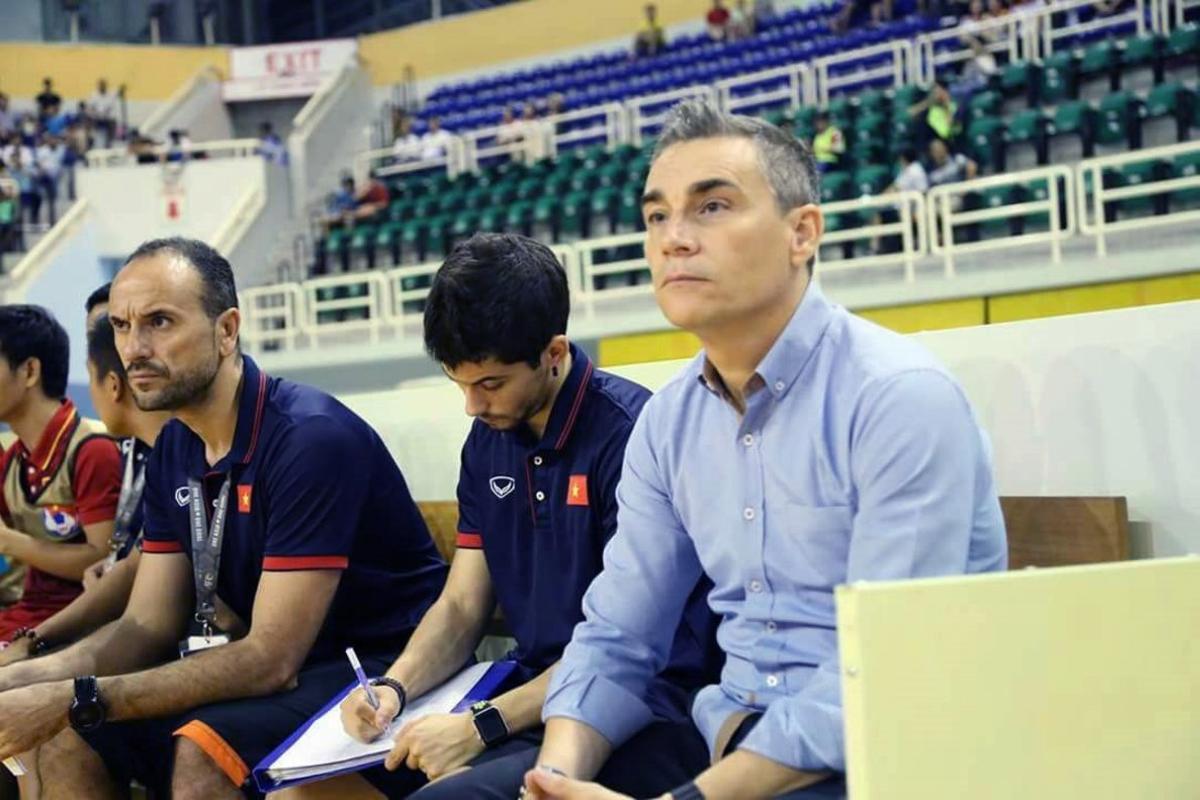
x=160, y=322
x=655, y=217
x=711, y=206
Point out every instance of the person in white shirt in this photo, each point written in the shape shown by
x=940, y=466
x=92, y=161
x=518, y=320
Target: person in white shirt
x=436, y=142
x=49, y=157
x=407, y=145
x=102, y=108
x=912, y=176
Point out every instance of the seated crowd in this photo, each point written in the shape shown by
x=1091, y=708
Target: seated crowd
x=664, y=564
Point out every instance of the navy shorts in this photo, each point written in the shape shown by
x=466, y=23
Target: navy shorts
x=236, y=735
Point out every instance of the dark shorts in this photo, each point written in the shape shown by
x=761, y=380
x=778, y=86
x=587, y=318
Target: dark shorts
x=236, y=734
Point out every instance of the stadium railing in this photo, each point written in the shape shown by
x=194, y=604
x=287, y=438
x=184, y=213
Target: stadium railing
x=890, y=63
x=792, y=85
x=856, y=227
x=648, y=112
x=227, y=148
x=40, y=254
x=1055, y=37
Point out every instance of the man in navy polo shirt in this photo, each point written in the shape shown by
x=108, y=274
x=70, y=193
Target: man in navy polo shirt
x=537, y=505
x=322, y=548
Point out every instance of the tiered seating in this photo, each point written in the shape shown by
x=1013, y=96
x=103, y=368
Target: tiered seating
x=795, y=36
x=594, y=192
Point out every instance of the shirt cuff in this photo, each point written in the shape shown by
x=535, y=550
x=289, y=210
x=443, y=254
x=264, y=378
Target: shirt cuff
x=599, y=703
x=805, y=736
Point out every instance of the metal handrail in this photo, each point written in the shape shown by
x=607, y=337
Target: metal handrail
x=66, y=223
x=902, y=69
x=910, y=226
x=224, y=148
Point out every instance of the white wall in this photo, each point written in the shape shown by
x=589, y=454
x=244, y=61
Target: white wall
x=1094, y=404
x=201, y=111
x=129, y=205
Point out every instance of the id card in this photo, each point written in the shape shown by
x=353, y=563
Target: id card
x=195, y=644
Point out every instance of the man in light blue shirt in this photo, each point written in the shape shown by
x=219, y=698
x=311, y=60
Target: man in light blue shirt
x=804, y=448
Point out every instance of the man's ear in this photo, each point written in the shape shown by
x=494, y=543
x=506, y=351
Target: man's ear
x=806, y=225
x=114, y=387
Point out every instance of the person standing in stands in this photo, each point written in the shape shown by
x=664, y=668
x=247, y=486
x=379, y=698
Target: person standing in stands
x=938, y=112
x=717, y=20
x=102, y=109
x=272, y=495
x=537, y=505
x=650, y=40
x=61, y=478
x=270, y=146
x=48, y=100
x=435, y=143
x=829, y=145
x=802, y=449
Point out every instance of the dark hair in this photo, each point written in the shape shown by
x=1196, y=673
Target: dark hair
x=909, y=154
x=218, y=290
x=498, y=295
x=32, y=332
x=102, y=349
x=787, y=164
x=98, y=297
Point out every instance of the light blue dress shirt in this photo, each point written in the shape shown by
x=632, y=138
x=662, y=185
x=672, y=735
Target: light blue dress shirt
x=858, y=458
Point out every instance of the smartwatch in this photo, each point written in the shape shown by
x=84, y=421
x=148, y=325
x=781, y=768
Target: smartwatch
x=87, y=711
x=489, y=723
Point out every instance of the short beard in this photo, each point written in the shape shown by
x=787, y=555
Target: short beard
x=187, y=389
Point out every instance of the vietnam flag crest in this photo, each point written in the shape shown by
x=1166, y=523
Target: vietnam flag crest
x=577, y=491
x=244, y=493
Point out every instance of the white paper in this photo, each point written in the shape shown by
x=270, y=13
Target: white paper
x=326, y=747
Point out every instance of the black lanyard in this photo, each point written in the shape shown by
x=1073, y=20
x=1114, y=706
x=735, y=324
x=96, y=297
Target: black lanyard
x=206, y=550
x=133, y=483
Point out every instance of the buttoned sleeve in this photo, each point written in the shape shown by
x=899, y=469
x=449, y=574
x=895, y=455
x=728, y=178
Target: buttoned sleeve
x=633, y=606
x=920, y=471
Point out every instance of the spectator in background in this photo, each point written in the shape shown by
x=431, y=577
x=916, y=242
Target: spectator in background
x=435, y=143
x=828, y=144
x=650, y=40
x=10, y=211
x=8, y=120
x=341, y=202
x=23, y=170
x=271, y=146
x=407, y=145
x=741, y=21
x=56, y=121
x=51, y=159
x=948, y=166
x=102, y=108
x=555, y=104
x=509, y=131
x=179, y=148
x=48, y=99
x=717, y=21
x=348, y=206
x=938, y=111
x=536, y=133
x=912, y=176
x=859, y=12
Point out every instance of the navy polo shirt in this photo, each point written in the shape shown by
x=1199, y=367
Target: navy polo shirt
x=313, y=487
x=542, y=511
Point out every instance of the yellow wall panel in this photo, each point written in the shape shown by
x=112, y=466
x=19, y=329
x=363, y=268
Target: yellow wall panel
x=929, y=316
x=149, y=73
x=644, y=347
x=1096, y=297
x=516, y=31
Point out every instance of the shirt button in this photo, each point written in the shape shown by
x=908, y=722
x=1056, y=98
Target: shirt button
x=540, y=496
x=771, y=626
x=537, y=461
x=748, y=513
x=748, y=439
x=779, y=386
x=755, y=587
x=772, y=681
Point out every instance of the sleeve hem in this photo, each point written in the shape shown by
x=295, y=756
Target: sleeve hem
x=296, y=563
x=155, y=546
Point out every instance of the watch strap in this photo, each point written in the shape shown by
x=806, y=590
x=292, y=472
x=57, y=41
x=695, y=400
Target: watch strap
x=688, y=791
x=396, y=687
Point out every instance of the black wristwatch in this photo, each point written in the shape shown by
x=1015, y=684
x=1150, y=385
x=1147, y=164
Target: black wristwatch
x=489, y=723
x=87, y=709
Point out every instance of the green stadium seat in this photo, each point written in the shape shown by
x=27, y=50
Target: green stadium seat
x=1021, y=78
x=629, y=211
x=873, y=179
x=583, y=180
x=573, y=216
x=1185, y=166
x=996, y=197
x=872, y=123
x=779, y=117
x=399, y=210
x=362, y=246
x=1120, y=120
x=612, y=174
x=905, y=96
x=602, y=210
x=867, y=150
x=1059, y=78
x=836, y=186
x=1138, y=174
x=337, y=249
x=529, y=188
x=387, y=245
x=1184, y=41
x=543, y=225
x=1028, y=128
x=873, y=101
x=1078, y=119
x=501, y=194
x=1144, y=51
x=1173, y=100
x=985, y=141
x=451, y=202
x=491, y=220
x=842, y=107
x=463, y=227
x=412, y=241
x=435, y=240
x=1102, y=59
x=476, y=197
x=519, y=217
x=984, y=104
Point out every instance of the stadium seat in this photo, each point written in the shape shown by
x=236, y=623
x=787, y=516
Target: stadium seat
x=1059, y=77
x=872, y=179
x=387, y=245
x=435, y=239
x=602, y=211
x=1026, y=130
x=985, y=140
x=984, y=104
x=629, y=211
x=1075, y=119
x=1144, y=51
x=1184, y=42
x=465, y=224
x=1172, y=101
x=1102, y=60
x=1138, y=174
x=836, y=186
x=572, y=217
x=519, y=217
x=1120, y=121
x=1185, y=166
x=997, y=197
x=1022, y=78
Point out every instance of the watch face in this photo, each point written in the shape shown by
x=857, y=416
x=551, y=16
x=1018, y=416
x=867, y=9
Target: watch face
x=491, y=727
x=86, y=716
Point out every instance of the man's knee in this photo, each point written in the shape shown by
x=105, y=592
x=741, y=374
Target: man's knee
x=66, y=763
x=196, y=775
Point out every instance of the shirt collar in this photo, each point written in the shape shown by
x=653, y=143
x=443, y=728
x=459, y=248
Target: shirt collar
x=52, y=443
x=570, y=399
x=784, y=361
x=251, y=403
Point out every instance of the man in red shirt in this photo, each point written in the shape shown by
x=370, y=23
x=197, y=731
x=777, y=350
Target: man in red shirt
x=60, y=480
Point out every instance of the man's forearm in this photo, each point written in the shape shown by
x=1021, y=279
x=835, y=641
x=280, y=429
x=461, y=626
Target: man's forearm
x=743, y=775
x=240, y=669
x=522, y=707
x=120, y=646
x=67, y=561
x=577, y=749
x=98, y=606
x=441, y=644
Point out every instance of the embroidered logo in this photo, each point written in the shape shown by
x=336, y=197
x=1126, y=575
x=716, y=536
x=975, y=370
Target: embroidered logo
x=245, y=490
x=502, y=486
x=59, y=522
x=183, y=496
x=577, y=491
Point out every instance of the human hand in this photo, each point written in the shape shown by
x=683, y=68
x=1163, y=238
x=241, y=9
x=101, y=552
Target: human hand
x=542, y=784
x=18, y=649
x=93, y=574
x=367, y=724
x=436, y=744
x=32, y=715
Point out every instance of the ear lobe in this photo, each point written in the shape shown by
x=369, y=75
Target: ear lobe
x=116, y=389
